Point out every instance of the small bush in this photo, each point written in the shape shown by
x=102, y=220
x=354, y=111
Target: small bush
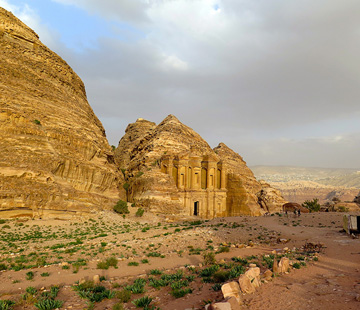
x=123, y=296
x=29, y=275
x=181, y=293
x=37, y=122
x=223, y=249
x=133, y=264
x=216, y=287
x=118, y=306
x=112, y=261
x=142, y=302
x=312, y=205
x=155, y=272
x=48, y=304
x=121, y=207
x=6, y=304
x=209, y=258
x=45, y=274
x=102, y=265
x=2, y=221
x=139, y=212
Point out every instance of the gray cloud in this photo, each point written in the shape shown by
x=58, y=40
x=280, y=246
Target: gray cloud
x=249, y=74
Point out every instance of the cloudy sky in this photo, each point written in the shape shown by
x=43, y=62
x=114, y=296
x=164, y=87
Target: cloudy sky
x=278, y=81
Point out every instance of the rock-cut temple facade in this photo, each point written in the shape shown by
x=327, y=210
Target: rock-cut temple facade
x=200, y=181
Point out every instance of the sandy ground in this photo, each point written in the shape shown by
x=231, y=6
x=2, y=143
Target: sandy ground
x=333, y=282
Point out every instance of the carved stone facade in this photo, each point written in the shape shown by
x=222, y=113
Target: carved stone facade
x=201, y=183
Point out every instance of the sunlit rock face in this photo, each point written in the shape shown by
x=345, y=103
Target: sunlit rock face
x=54, y=156
x=170, y=169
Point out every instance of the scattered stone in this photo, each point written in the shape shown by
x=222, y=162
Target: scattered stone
x=245, y=285
x=284, y=265
x=268, y=275
x=96, y=279
x=275, y=267
x=232, y=289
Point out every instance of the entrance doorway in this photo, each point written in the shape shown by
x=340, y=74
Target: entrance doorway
x=196, y=208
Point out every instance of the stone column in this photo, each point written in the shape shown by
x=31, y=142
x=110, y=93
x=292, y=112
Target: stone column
x=223, y=178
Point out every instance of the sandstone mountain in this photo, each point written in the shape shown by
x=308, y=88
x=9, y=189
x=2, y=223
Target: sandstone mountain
x=171, y=169
x=54, y=155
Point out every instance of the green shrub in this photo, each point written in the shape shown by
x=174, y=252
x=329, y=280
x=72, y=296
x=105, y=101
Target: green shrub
x=112, y=261
x=37, y=122
x=221, y=276
x=142, y=302
x=209, y=258
x=121, y=207
x=48, y=304
x=31, y=290
x=45, y=274
x=139, y=212
x=312, y=205
x=209, y=271
x=2, y=221
x=123, y=296
x=6, y=304
x=133, y=264
x=93, y=293
x=126, y=186
x=155, y=272
x=296, y=265
x=118, y=306
x=29, y=275
x=102, y=265
x=216, y=287
x=223, y=249
x=342, y=209
x=181, y=293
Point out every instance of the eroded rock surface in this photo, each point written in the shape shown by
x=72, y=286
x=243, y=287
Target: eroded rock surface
x=171, y=169
x=54, y=153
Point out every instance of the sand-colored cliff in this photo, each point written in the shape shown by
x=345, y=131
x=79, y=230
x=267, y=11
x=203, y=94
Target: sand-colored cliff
x=172, y=169
x=54, y=156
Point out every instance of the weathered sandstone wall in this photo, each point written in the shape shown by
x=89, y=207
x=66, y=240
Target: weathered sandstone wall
x=53, y=151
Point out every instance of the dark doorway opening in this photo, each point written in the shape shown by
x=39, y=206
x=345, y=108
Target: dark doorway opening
x=196, y=208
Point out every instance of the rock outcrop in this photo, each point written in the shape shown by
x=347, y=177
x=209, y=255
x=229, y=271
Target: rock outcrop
x=245, y=193
x=171, y=169
x=54, y=156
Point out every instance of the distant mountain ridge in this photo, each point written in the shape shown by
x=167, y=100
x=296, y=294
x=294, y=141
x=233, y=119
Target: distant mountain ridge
x=326, y=176
x=301, y=183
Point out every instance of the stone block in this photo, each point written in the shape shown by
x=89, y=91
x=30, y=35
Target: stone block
x=246, y=285
x=232, y=289
x=284, y=265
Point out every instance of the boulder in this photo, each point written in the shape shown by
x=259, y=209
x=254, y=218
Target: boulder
x=268, y=275
x=246, y=285
x=275, y=267
x=232, y=289
x=284, y=265
x=96, y=279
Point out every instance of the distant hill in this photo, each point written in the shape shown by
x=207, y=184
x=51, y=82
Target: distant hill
x=302, y=183
x=326, y=176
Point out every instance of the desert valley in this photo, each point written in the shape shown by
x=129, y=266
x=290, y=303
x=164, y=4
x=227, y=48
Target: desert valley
x=160, y=221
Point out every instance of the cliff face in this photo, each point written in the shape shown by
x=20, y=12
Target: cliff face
x=171, y=169
x=245, y=193
x=54, y=155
